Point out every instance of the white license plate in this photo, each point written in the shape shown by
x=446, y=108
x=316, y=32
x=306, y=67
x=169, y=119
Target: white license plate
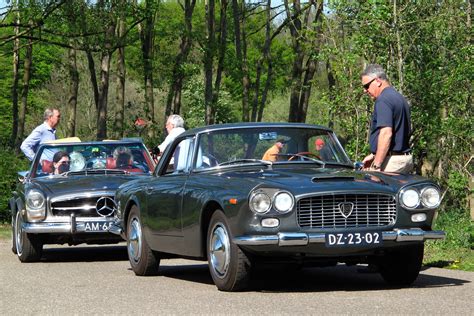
x=96, y=226
x=360, y=239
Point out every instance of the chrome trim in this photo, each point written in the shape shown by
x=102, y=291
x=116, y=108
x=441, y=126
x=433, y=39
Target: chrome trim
x=116, y=228
x=303, y=239
x=75, y=196
x=75, y=225
x=292, y=239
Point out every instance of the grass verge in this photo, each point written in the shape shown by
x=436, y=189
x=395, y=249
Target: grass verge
x=5, y=231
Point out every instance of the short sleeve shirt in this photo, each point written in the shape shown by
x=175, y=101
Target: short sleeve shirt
x=391, y=110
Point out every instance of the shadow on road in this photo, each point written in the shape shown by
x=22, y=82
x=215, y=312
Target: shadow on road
x=85, y=253
x=338, y=278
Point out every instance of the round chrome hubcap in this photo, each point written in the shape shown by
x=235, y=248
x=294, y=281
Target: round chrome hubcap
x=18, y=234
x=219, y=249
x=134, y=240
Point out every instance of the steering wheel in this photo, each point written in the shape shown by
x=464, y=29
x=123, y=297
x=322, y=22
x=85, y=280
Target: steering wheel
x=304, y=153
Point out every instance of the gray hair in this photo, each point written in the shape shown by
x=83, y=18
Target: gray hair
x=176, y=120
x=375, y=70
x=49, y=112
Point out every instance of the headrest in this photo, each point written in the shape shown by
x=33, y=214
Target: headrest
x=110, y=163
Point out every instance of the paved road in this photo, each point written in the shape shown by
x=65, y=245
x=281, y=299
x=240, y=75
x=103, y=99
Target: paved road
x=98, y=280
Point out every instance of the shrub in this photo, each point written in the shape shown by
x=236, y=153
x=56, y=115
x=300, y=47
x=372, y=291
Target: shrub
x=10, y=164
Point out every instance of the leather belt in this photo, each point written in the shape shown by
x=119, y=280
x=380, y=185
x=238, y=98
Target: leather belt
x=399, y=153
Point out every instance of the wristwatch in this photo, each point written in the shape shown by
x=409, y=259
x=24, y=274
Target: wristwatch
x=374, y=166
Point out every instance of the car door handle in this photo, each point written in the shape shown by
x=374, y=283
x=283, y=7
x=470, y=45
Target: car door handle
x=149, y=190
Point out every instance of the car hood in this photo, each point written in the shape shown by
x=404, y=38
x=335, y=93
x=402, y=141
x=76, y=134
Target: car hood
x=80, y=184
x=303, y=180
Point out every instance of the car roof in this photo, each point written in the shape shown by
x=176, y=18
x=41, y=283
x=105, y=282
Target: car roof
x=250, y=125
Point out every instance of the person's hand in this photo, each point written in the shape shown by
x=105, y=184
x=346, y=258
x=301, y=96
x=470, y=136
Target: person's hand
x=368, y=161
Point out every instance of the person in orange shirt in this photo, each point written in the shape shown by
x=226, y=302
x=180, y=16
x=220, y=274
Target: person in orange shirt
x=272, y=153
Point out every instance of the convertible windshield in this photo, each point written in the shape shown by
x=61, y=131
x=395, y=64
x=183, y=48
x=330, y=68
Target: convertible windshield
x=92, y=158
x=274, y=145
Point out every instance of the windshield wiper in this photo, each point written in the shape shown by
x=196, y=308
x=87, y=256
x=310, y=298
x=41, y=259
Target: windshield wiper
x=242, y=161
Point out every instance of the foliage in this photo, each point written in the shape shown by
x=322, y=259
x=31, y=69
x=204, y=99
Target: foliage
x=195, y=106
x=9, y=165
x=457, y=251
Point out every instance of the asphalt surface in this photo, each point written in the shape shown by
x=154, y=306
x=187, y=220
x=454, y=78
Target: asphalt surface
x=98, y=280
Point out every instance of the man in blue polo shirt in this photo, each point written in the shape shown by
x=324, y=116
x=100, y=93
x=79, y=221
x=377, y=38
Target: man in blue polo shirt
x=42, y=133
x=391, y=127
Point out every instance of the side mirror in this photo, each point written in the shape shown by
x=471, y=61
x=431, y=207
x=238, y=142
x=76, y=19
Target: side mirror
x=358, y=165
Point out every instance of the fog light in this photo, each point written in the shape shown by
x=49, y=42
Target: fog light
x=270, y=222
x=418, y=217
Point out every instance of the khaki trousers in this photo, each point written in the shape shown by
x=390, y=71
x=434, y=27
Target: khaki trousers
x=398, y=164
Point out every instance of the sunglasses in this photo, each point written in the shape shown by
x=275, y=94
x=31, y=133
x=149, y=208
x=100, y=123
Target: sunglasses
x=367, y=85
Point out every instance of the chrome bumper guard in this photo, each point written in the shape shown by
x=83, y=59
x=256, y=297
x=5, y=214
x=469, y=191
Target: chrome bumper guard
x=73, y=226
x=303, y=239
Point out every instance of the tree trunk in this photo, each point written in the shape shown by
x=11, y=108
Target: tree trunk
x=241, y=59
x=173, y=101
x=259, y=103
x=147, y=39
x=103, y=94
x=93, y=77
x=221, y=57
x=208, y=60
x=16, y=137
x=297, y=68
x=120, y=89
x=26, y=86
x=73, y=91
x=399, y=47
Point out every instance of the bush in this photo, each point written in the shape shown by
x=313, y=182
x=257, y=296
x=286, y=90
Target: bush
x=10, y=164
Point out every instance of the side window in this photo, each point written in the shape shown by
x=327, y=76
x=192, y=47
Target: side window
x=180, y=159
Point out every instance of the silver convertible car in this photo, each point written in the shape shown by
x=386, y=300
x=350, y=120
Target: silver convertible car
x=239, y=195
x=67, y=196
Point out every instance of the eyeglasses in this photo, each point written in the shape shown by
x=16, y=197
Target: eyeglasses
x=367, y=85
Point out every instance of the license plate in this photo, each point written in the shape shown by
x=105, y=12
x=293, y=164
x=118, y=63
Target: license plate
x=360, y=239
x=96, y=226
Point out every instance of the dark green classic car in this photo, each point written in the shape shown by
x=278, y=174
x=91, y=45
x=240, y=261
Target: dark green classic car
x=238, y=195
x=67, y=195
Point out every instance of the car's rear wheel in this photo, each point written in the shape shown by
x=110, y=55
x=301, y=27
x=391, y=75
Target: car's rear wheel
x=401, y=266
x=29, y=247
x=142, y=259
x=228, y=264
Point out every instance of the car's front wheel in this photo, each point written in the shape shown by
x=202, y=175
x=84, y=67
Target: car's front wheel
x=142, y=259
x=29, y=247
x=401, y=266
x=229, y=265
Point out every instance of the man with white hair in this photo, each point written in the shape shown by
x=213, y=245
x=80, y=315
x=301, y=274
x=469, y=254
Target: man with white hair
x=174, y=127
x=42, y=133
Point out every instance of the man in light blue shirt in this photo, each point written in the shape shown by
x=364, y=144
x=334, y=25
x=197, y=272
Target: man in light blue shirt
x=42, y=133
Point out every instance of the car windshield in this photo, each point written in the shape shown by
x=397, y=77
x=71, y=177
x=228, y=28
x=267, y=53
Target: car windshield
x=266, y=145
x=92, y=158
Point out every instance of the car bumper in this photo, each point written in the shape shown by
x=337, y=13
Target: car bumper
x=302, y=239
x=73, y=226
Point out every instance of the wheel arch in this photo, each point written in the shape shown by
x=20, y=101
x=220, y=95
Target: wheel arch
x=132, y=201
x=206, y=214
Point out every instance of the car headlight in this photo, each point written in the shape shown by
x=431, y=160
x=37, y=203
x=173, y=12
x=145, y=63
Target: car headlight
x=283, y=202
x=260, y=202
x=410, y=198
x=35, y=205
x=430, y=197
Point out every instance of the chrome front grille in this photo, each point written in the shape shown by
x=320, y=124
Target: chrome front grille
x=324, y=211
x=81, y=207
